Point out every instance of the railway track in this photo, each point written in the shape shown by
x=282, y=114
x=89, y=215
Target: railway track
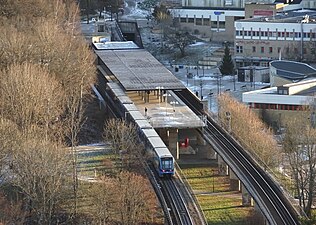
x=269, y=197
x=179, y=209
x=170, y=196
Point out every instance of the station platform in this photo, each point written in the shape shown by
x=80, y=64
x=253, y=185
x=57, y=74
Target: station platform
x=165, y=111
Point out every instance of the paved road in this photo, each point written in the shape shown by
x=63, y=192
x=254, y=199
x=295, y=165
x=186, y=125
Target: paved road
x=212, y=83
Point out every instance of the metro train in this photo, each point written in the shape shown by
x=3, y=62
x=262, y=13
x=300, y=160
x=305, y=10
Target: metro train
x=156, y=149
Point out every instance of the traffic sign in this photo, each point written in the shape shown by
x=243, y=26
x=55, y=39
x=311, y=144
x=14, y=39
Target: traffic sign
x=217, y=13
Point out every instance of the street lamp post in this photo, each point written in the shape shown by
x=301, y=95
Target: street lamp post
x=187, y=76
x=210, y=100
x=201, y=86
x=197, y=68
x=234, y=80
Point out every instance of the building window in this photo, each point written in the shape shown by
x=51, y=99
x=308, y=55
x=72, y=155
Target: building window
x=101, y=28
x=262, y=49
x=258, y=33
x=283, y=92
x=222, y=24
x=214, y=24
x=239, y=49
x=190, y=20
x=183, y=20
x=206, y=22
x=198, y=21
x=253, y=48
x=264, y=64
x=270, y=49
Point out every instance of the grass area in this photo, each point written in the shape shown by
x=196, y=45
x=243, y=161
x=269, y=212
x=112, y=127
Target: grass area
x=223, y=209
x=97, y=163
x=219, y=204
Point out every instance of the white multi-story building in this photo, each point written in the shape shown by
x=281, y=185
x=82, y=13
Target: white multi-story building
x=215, y=19
x=241, y=3
x=219, y=3
x=289, y=35
x=217, y=24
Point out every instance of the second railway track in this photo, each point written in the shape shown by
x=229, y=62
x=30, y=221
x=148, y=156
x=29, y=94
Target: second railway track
x=274, y=205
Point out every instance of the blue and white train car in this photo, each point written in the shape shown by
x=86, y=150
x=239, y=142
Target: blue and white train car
x=158, y=152
x=161, y=157
x=118, y=99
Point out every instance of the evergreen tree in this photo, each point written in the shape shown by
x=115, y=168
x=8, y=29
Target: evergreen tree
x=227, y=66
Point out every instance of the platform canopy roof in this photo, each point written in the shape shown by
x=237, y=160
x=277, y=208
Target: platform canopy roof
x=137, y=69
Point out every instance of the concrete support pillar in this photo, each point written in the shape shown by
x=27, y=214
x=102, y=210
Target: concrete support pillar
x=173, y=143
x=235, y=184
x=246, y=197
x=222, y=166
x=211, y=154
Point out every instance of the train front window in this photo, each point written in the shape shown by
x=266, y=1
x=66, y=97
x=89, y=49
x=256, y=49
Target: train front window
x=166, y=163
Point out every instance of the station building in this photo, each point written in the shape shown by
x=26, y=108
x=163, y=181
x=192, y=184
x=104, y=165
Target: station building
x=214, y=20
x=287, y=34
x=293, y=89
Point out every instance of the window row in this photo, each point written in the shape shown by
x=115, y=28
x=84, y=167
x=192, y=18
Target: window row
x=203, y=22
x=275, y=34
x=270, y=50
x=276, y=106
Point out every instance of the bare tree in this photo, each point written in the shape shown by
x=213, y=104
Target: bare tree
x=40, y=170
x=102, y=197
x=121, y=135
x=180, y=39
x=299, y=147
x=47, y=42
x=135, y=202
x=247, y=127
x=30, y=96
x=8, y=131
x=12, y=211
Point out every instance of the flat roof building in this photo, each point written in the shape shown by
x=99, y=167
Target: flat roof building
x=294, y=88
x=289, y=35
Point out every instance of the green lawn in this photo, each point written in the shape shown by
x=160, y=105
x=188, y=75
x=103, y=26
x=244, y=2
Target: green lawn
x=220, y=205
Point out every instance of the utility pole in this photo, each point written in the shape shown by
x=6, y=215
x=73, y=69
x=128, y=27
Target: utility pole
x=234, y=79
x=201, y=86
